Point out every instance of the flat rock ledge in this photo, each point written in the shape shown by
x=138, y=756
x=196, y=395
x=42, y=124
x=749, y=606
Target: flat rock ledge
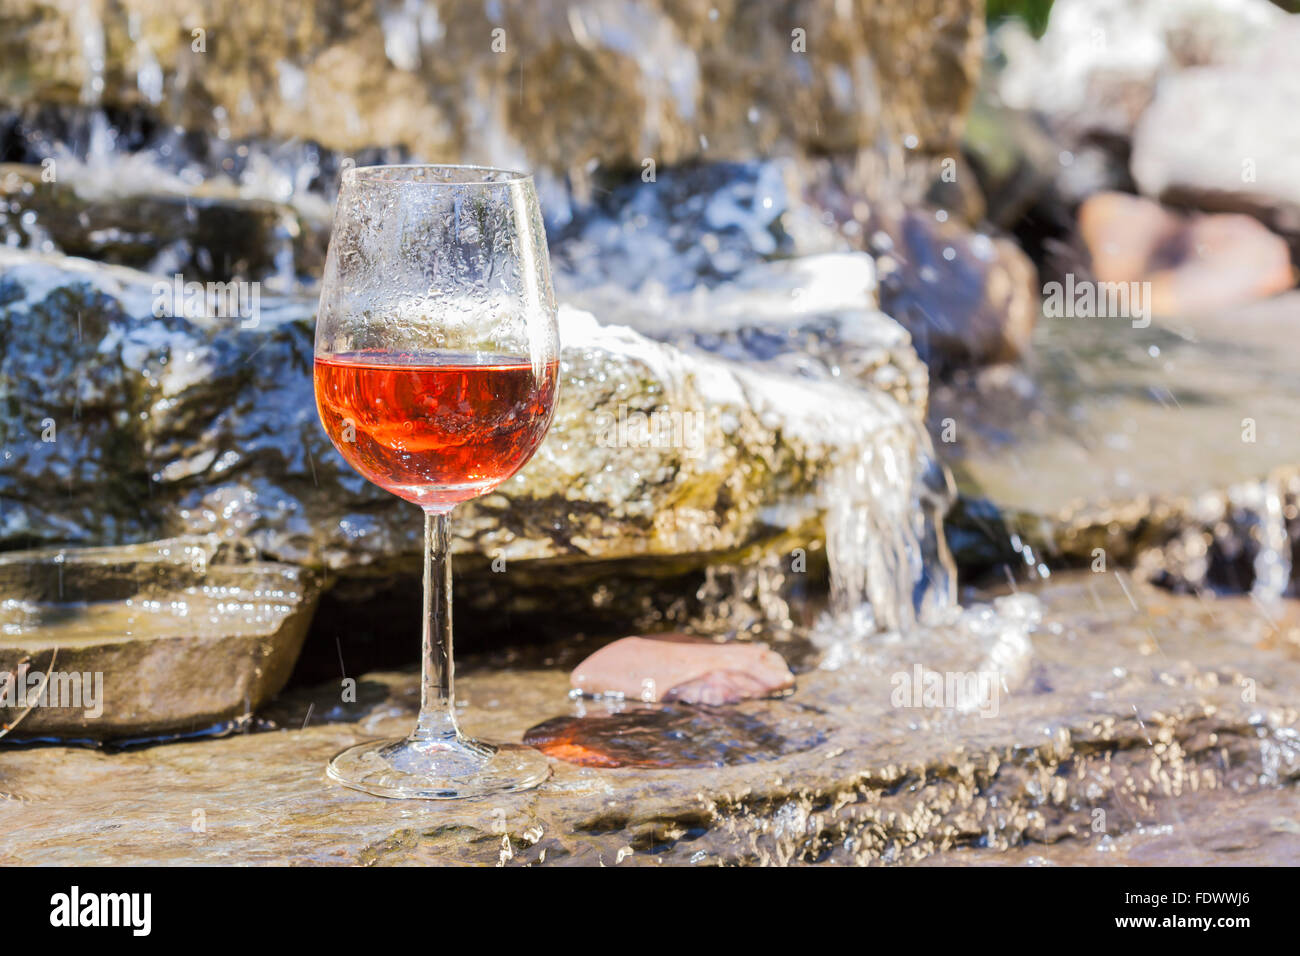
x=1121, y=710
x=145, y=641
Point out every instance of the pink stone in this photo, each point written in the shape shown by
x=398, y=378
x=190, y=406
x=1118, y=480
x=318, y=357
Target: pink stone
x=677, y=667
x=1195, y=264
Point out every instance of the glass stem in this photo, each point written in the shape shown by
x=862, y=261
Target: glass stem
x=437, y=702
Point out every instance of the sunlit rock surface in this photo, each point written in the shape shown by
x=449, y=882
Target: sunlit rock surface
x=123, y=427
x=145, y=641
x=552, y=86
x=1132, y=702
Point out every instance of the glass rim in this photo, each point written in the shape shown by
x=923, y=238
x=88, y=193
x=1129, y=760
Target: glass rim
x=374, y=174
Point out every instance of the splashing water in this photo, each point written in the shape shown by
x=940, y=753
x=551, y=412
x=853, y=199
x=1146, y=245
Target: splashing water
x=1261, y=506
x=857, y=470
x=813, y=352
x=1233, y=541
x=884, y=536
x=889, y=565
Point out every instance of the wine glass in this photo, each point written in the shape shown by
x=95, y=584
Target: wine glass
x=435, y=370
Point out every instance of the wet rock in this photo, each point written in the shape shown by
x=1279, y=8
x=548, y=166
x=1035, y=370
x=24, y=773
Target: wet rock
x=144, y=640
x=691, y=226
x=1124, y=711
x=1213, y=828
x=563, y=88
x=110, y=404
x=669, y=737
x=813, y=317
x=1117, y=442
x=208, y=234
x=124, y=427
x=965, y=297
x=1193, y=264
x=682, y=669
x=1221, y=137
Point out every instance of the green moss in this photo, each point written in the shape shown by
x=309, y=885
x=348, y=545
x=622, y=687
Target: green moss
x=1033, y=12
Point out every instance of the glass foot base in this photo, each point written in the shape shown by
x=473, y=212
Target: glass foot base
x=439, y=769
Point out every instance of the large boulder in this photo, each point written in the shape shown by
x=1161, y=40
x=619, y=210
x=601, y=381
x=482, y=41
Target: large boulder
x=563, y=87
x=123, y=426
